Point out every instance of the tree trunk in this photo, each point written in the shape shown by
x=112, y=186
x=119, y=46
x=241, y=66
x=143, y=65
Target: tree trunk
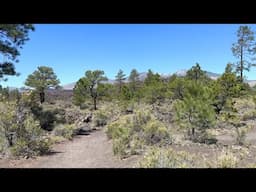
x=95, y=103
x=9, y=139
x=193, y=132
x=120, y=87
x=42, y=96
x=241, y=65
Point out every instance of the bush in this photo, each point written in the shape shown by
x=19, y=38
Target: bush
x=240, y=135
x=46, y=117
x=121, y=132
x=59, y=114
x=137, y=145
x=177, y=87
x=249, y=116
x=57, y=139
x=84, y=106
x=47, y=120
x=120, y=135
x=2, y=143
x=227, y=160
x=72, y=116
x=30, y=98
x=21, y=132
x=167, y=158
x=155, y=131
x=131, y=132
x=100, y=119
x=30, y=148
x=120, y=146
x=140, y=119
x=195, y=112
x=206, y=138
x=66, y=131
x=118, y=128
x=31, y=141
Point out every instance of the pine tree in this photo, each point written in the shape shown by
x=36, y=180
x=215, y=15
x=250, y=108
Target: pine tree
x=196, y=73
x=226, y=87
x=89, y=86
x=134, y=81
x=244, y=49
x=152, y=78
x=42, y=79
x=120, y=77
x=12, y=38
x=195, y=111
x=177, y=87
x=228, y=82
x=154, y=88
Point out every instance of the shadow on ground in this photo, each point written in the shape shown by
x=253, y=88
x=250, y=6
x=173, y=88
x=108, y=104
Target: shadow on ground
x=51, y=153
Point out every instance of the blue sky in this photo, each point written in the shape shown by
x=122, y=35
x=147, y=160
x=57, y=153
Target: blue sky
x=71, y=49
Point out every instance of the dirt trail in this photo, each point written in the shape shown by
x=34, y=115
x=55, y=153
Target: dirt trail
x=84, y=151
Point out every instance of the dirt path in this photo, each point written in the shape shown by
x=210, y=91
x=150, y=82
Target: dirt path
x=84, y=151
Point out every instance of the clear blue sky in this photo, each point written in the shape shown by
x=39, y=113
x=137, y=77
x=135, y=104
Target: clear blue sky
x=71, y=49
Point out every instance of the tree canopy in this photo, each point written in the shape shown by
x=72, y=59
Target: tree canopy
x=89, y=86
x=12, y=38
x=243, y=50
x=120, y=77
x=42, y=79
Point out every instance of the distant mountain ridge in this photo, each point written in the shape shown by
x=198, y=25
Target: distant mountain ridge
x=143, y=75
x=212, y=75
x=69, y=86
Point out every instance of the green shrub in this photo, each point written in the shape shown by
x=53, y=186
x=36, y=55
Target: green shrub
x=167, y=158
x=100, y=119
x=72, y=116
x=30, y=98
x=84, y=106
x=137, y=145
x=66, y=131
x=206, y=138
x=155, y=131
x=118, y=128
x=249, y=115
x=30, y=148
x=2, y=143
x=120, y=146
x=227, y=160
x=57, y=139
x=240, y=135
x=120, y=133
x=60, y=116
x=131, y=132
x=45, y=115
x=31, y=141
x=195, y=112
x=21, y=132
x=140, y=119
x=47, y=119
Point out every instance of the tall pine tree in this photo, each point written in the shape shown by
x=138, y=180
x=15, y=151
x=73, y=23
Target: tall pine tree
x=89, y=86
x=120, y=77
x=42, y=79
x=243, y=50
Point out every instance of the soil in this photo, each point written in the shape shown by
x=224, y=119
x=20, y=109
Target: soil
x=84, y=151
